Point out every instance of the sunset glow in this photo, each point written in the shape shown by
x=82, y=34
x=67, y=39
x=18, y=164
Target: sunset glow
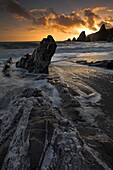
x=25, y=21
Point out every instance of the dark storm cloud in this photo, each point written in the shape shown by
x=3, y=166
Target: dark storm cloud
x=16, y=9
x=90, y=18
x=20, y=13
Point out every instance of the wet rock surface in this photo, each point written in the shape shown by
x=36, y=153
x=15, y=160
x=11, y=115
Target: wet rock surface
x=35, y=134
x=40, y=59
x=48, y=128
x=108, y=64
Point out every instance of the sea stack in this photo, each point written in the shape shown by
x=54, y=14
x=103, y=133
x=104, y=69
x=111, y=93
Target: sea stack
x=74, y=39
x=101, y=35
x=82, y=37
x=40, y=59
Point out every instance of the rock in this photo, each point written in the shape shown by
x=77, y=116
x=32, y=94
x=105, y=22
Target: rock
x=110, y=38
x=108, y=64
x=68, y=40
x=82, y=36
x=101, y=35
x=7, y=65
x=40, y=59
x=74, y=39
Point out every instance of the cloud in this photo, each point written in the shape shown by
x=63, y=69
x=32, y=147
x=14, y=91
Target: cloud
x=16, y=9
x=90, y=18
x=47, y=17
x=109, y=19
x=69, y=20
x=110, y=10
x=107, y=24
x=32, y=29
x=100, y=8
x=45, y=12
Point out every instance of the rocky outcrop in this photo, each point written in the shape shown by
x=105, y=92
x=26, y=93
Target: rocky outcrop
x=82, y=37
x=68, y=40
x=74, y=39
x=40, y=59
x=35, y=134
x=108, y=64
x=101, y=35
x=110, y=31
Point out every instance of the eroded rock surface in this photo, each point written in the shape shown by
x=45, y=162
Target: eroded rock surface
x=40, y=59
x=45, y=130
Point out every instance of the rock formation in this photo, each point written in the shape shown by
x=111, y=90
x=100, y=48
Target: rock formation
x=108, y=64
x=82, y=36
x=40, y=59
x=101, y=35
x=35, y=134
x=110, y=31
x=68, y=40
x=74, y=39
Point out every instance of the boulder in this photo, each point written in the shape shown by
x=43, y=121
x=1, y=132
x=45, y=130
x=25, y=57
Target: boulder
x=82, y=36
x=40, y=59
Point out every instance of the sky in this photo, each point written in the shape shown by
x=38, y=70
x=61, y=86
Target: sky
x=32, y=20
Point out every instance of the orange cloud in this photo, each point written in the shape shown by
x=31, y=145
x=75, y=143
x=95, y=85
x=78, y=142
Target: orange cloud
x=109, y=19
x=100, y=8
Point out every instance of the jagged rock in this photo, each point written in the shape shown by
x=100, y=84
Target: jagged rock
x=40, y=59
x=101, y=35
x=82, y=36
